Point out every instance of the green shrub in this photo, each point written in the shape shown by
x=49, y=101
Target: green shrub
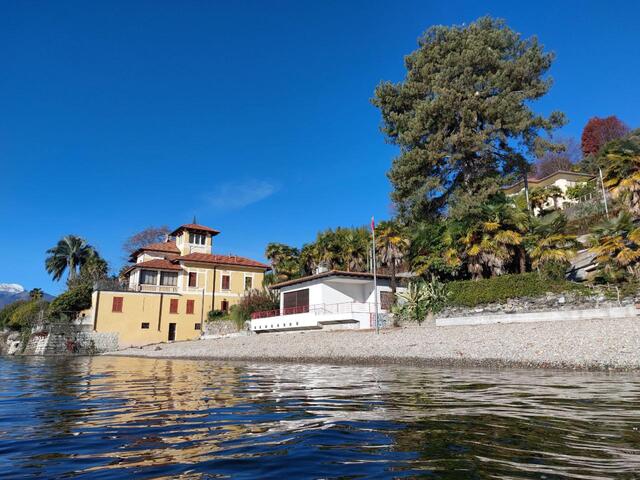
x=470, y=293
x=216, y=315
x=7, y=311
x=68, y=304
x=421, y=298
x=553, y=271
x=26, y=314
x=579, y=190
x=253, y=301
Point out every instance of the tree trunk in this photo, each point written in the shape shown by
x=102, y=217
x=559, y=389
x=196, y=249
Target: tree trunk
x=522, y=258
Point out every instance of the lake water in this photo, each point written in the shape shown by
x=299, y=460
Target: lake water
x=125, y=418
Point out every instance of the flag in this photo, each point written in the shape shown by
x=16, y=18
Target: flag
x=373, y=225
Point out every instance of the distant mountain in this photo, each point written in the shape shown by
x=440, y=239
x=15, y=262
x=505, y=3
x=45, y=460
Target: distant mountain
x=10, y=292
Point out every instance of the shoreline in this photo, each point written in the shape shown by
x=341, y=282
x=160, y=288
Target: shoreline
x=585, y=345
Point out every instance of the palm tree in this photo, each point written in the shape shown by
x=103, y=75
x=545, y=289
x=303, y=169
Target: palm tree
x=309, y=258
x=622, y=173
x=616, y=244
x=554, y=193
x=284, y=260
x=36, y=294
x=548, y=242
x=392, y=244
x=489, y=239
x=538, y=197
x=69, y=254
x=353, y=247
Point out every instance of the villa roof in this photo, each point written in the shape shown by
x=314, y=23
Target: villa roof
x=165, y=247
x=330, y=273
x=221, y=260
x=158, y=264
x=549, y=179
x=197, y=227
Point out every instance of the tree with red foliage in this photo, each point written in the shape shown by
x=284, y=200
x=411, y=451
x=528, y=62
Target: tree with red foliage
x=599, y=131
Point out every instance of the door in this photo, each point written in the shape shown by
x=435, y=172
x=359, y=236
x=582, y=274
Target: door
x=172, y=332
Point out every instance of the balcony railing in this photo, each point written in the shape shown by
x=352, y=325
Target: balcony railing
x=155, y=288
x=319, y=309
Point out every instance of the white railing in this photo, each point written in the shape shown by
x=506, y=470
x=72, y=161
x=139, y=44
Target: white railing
x=155, y=288
x=319, y=309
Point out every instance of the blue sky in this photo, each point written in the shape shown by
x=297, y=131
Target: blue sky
x=253, y=116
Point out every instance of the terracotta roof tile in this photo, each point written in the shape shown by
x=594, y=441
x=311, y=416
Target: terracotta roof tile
x=221, y=260
x=169, y=247
x=195, y=226
x=159, y=263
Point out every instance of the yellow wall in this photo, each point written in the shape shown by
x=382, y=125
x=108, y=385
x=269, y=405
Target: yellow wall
x=140, y=307
x=237, y=277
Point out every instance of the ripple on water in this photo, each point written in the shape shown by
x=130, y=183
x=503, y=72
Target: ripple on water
x=144, y=418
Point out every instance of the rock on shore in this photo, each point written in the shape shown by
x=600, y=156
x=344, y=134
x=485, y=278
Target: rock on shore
x=592, y=345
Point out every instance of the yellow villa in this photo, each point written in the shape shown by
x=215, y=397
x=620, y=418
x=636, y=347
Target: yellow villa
x=172, y=286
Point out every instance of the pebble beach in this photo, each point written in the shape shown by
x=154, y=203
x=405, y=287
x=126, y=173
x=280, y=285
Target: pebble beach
x=578, y=345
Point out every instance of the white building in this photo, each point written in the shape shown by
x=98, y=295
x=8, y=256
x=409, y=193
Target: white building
x=333, y=299
x=562, y=179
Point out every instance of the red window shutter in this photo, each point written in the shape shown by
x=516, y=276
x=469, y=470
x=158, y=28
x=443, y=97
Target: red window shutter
x=193, y=279
x=225, y=282
x=116, y=306
x=173, y=305
x=224, y=306
x=190, y=306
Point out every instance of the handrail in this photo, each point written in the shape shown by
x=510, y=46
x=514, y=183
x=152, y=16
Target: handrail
x=317, y=309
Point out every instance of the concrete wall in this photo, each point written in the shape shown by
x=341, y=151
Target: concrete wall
x=548, y=316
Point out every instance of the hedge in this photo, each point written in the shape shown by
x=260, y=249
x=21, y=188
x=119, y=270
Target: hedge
x=469, y=293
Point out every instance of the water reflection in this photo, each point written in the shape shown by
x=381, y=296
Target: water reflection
x=110, y=417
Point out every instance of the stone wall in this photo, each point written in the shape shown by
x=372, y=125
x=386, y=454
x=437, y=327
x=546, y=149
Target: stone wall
x=220, y=327
x=551, y=301
x=59, y=340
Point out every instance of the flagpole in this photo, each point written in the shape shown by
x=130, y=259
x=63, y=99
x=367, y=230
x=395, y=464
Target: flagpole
x=375, y=275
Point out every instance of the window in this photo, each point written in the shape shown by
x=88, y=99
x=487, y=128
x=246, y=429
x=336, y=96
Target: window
x=197, y=238
x=169, y=279
x=224, y=306
x=173, y=305
x=145, y=325
x=148, y=277
x=193, y=279
x=296, y=302
x=226, y=282
x=117, y=304
x=190, y=306
x=197, y=326
x=248, y=283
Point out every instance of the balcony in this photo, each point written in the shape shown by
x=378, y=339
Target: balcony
x=320, y=316
x=154, y=288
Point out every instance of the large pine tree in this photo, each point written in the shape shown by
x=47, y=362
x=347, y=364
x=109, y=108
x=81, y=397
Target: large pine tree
x=463, y=113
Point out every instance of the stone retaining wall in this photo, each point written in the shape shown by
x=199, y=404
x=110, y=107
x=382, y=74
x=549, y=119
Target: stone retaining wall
x=549, y=302
x=60, y=340
x=608, y=313
x=220, y=327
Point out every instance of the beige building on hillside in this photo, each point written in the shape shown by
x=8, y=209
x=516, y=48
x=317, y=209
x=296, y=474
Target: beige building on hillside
x=172, y=286
x=562, y=179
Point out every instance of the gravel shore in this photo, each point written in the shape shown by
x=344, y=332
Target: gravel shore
x=583, y=345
